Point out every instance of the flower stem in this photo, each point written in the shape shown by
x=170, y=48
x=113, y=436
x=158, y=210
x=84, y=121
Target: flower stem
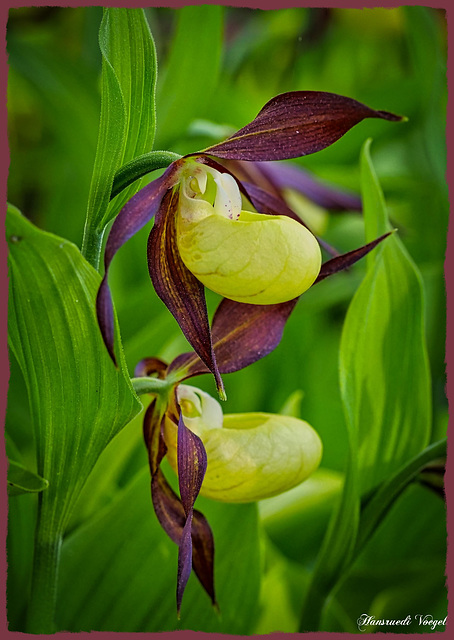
x=139, y=167
x=150, y=385
x=48, y=539
x=92, y=246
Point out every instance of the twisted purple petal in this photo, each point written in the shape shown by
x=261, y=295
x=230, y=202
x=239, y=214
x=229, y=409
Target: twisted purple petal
x=192, y=534
x=295, y=124
x=177, y=287
x=133, y=216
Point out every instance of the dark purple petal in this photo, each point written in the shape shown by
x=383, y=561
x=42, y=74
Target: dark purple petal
x=133, y=216
x=177, y=287
x=184, y=561
x=171, y=514
x=287, y=176
x=339, y=263
x=295, y=124
x=242, y=334
x=149, y=366
x=192, y=464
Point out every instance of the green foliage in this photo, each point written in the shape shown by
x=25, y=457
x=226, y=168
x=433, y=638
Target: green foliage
x=122, y=551
x=78, y=400
x=191, y=74
x=360, y=535
x=127, y=122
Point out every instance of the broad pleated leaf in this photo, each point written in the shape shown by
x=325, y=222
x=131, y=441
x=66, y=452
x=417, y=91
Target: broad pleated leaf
x=177, y=287
x=129, y=569
x=385, y=387
x=78, y=400
x=296, y=124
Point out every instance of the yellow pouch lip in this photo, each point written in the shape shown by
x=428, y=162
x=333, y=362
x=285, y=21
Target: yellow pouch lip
x=254, y=455
x=259, y=258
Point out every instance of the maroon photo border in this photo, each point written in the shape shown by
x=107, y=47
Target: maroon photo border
x=4, y=365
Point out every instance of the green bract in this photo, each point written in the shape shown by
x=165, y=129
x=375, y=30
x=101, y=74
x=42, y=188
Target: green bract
x=244, y=256
x=250, y=456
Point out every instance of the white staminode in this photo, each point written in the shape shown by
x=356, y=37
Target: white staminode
x=207, y=192
x=228, y=197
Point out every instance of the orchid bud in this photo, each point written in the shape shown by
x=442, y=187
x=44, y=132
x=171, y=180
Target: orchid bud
x=244, y=256
x=251, y=456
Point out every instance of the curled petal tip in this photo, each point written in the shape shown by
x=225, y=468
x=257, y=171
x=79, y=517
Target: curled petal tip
x=222, y=394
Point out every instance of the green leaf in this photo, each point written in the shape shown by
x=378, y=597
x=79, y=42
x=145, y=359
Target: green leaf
x=380, y=502
x=127, y=123
x=385, y=386
x=384, y=371
x=126, y=559
x=78, y=400
x=21, y=480
x=111, y=137
x=132, y=54
x=192, y=70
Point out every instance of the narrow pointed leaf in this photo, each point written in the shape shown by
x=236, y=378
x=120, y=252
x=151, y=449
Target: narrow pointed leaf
x=177, y=287
x=383, y=348
x=131, y=52
x=111, y=136
x=296, y=124
x=134, y=215
x=77, y=399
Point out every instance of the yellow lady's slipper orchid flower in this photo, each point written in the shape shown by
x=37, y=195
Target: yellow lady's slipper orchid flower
x=250, y=456
x=242, y=255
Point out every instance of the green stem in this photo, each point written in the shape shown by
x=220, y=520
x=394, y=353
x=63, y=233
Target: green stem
x=92, y=246
x=150, y=385
x=387, y=493
x=43, y=597
x=126, y=175
x=139, y=167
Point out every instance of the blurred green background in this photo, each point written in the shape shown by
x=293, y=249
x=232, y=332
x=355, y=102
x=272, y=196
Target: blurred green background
x=210, y=83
